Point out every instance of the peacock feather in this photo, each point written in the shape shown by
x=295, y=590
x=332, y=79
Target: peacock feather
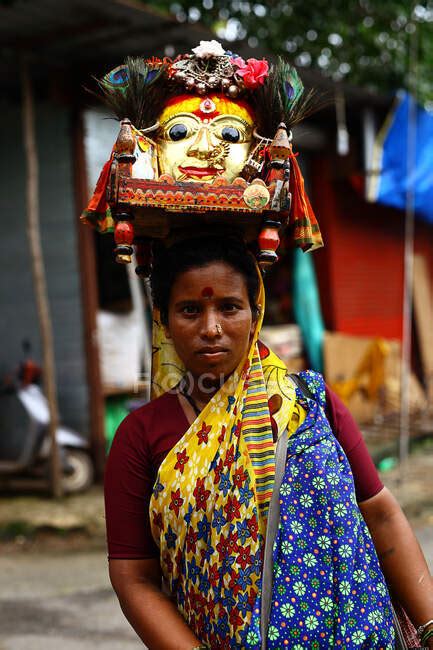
x=136, y=90
x=281, y=99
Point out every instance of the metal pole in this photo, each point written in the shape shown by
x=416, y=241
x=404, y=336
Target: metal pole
x=406, y=346
x=38, y=270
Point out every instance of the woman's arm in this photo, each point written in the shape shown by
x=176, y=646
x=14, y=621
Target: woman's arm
x=153, y=615
x=400, y=556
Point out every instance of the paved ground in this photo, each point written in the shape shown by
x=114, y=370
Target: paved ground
x=60, y=600
x=54, y=588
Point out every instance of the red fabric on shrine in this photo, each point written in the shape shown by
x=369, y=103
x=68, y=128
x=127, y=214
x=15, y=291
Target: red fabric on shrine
x=146, y=436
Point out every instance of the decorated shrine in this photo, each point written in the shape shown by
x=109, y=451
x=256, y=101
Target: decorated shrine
x=205, y=141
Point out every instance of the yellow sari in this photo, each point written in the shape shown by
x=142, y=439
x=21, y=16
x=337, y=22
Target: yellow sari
x=211, y=497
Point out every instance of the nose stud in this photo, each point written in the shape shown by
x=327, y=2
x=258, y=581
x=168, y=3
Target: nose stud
x=219, y=329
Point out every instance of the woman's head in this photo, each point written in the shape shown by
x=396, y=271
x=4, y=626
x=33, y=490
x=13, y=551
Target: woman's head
x=206, y=290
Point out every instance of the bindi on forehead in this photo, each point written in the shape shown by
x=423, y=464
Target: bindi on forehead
x=207, y=292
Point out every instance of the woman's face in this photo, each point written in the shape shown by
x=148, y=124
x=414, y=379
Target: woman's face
x=210, y=320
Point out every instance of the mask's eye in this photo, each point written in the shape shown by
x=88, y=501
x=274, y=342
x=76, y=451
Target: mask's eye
x=230, y=134
x=178, y=132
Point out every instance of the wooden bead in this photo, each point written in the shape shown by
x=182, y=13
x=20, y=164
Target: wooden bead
x=268, y=239
x=124, y=233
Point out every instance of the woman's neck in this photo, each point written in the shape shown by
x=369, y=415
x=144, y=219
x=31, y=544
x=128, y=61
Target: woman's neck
x=199, y=390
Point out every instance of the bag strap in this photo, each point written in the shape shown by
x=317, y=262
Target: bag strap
x=274, y=520
x=302, y=385
x=271, y=532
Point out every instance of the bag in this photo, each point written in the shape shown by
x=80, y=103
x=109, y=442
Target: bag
x=405, y=633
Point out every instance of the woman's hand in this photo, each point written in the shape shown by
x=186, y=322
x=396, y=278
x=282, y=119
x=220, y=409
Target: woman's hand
x=153, y=615
x=400, y=556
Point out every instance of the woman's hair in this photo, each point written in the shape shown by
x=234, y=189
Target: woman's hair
x=169, y=263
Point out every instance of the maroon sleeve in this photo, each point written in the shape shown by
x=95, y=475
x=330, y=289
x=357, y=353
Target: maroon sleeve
x=365, y=476
x=127, y=488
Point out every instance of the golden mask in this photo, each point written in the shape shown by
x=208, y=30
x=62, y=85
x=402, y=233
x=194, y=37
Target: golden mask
x=202, y=138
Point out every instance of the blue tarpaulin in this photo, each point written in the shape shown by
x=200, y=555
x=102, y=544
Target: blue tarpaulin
x=391, y=180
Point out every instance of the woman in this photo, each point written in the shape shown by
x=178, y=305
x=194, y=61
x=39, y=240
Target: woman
x=207, y=449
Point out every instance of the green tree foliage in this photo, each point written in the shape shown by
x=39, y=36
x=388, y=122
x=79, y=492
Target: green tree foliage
x=371, y=43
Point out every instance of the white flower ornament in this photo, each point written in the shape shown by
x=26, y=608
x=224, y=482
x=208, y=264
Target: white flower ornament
x=208, y=49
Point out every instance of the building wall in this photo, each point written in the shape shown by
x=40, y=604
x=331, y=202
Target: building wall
x=18, y=310
x=361, y=268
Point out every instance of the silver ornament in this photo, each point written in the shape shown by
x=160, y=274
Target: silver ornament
x=180, y=76
x=201, y=88
x=233, y=91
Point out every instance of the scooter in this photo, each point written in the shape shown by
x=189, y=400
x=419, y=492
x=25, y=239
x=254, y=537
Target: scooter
x=24, y=436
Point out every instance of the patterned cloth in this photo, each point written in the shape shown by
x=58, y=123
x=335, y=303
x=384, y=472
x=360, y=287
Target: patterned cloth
x=328, y=589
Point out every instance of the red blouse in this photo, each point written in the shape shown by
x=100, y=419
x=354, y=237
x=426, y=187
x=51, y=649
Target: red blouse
x=146, y=436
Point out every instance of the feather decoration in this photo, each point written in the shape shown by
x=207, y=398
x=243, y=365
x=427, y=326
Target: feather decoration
x=136, y=90
x=281, y=99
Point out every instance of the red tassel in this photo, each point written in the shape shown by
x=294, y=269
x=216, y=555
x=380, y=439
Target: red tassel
x=306, y=231
x=97, y=208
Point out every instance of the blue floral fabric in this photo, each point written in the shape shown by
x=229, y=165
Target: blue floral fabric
x=328, y=589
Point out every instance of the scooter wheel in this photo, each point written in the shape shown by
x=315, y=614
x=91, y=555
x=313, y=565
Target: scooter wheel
x=80, y=474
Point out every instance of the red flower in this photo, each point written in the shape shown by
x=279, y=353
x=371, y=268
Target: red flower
x=214, y=575
x=168, y=562
x=191, y=540
x=232, y=542
x=211, y=605
x=239, y=477
x=197, y=603
x=234, y=584
x=253, y=527
x=202, y=435
x=221, y=547
x=157, y=519
x=176, y=502
x=237, y=431
x=230, y=457
x=235, y=618
x=222, y=434
x=182, y=460
x=201, y=494
x=232, y=509
x=252, y=597
x=245, y=558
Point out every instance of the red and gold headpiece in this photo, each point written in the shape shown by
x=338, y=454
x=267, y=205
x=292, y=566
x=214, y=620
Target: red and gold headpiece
x=207, y=132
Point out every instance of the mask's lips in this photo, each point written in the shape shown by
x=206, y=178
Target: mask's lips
x=200, y=172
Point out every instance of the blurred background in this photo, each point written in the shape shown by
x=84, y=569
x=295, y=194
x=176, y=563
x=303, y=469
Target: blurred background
x=75, y=326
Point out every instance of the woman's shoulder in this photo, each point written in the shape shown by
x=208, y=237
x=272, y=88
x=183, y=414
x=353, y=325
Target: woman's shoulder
x=148, y=410
x=146, y=418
